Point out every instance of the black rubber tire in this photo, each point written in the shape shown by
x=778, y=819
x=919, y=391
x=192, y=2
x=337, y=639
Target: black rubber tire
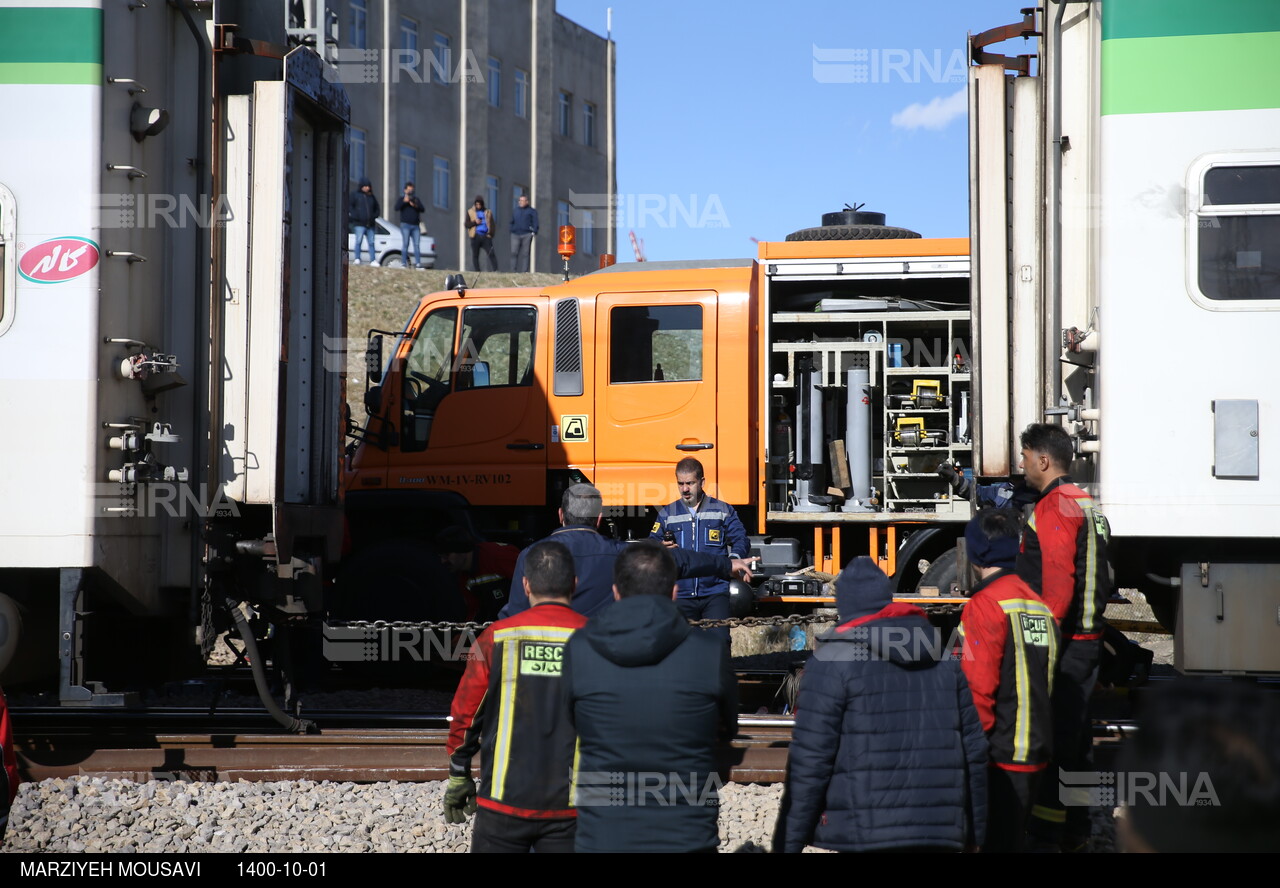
x=943, y=571
x=1163, y=601
x=852, y=217
x=398, y=579
x=852, y=232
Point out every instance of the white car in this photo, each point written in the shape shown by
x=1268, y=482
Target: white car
x=388, y=246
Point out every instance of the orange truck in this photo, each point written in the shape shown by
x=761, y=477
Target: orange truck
x=821, y=385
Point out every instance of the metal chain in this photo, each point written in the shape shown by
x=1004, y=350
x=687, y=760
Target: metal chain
x=732, y=622
x=787, y=620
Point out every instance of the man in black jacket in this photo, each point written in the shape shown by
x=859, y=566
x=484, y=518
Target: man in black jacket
x=887, y=753
x=651, y=699
x=411, y=210
x=363, y=211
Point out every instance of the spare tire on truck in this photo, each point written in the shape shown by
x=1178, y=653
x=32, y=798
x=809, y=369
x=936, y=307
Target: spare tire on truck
x=852, y=225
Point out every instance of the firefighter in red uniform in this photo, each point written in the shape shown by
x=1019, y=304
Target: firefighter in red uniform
x=8, y=767
x=484, y=571
x=1010, y=647
x=1064, y=559
x=508, y=709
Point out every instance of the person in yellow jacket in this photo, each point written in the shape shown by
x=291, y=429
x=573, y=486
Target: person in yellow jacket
x=480, y=228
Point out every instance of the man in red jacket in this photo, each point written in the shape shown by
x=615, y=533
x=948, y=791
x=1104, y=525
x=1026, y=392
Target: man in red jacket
x=1010, y=646
x=8, y=767
x=1064, y=559
x=507, y=708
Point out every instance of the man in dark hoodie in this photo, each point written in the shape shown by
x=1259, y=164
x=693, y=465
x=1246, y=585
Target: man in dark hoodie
x=363, y=211
x=887, y=753
x=651, y=699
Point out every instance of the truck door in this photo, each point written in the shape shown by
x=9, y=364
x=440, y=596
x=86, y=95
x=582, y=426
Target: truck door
x=477, y=421
x=656, y=402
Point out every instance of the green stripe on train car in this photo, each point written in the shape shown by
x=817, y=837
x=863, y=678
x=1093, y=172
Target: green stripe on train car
x=1210, y=72
x=1125, y=19
x=55, y=45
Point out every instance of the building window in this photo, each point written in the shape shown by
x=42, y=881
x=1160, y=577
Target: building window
x=562, y=212
x=408, y=165
x=1237, y=225
x=440, y=183
x=588, y=239
x=492, y=188
x=522, y=93
x=409, y=55
x=588, y=124
x=668, y=347
x=359, y=141
x=518, y=191
x=566, y=114
x=359, y=30
x=495, y=82
x=440, y=59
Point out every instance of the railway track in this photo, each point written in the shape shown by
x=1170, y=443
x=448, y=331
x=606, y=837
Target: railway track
x=354, y=746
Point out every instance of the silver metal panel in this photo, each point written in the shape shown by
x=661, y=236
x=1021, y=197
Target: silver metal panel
x=1026, y=200
x=989, y=214
x=1229, y=619
x=1235, y=439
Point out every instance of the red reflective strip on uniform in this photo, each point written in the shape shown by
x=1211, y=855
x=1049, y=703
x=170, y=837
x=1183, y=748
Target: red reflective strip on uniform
x=562, y=814
x=1093, y=636
x=1030, y=769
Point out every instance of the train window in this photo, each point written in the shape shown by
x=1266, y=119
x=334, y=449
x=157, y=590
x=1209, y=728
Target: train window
x=497, y=347
x=1237, y=229
x=655, y=343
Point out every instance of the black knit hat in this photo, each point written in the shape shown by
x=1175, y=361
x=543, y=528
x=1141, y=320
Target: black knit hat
x=862, y=589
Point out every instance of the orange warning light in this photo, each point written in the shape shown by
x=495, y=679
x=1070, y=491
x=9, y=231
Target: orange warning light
x=568, y=240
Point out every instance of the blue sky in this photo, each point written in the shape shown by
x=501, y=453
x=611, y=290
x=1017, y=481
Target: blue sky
x=742, y=120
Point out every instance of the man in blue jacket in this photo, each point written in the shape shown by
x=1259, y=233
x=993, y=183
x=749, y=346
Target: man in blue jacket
x=524, y=225
x=887, y=753
x=700, y=523
x=593, y=556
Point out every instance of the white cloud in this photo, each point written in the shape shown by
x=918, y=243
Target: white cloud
x=934, y=115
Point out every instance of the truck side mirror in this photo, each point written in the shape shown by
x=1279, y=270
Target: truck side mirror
x=373, y=359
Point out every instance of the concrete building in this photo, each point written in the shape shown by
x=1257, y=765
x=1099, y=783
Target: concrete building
x=489, y=98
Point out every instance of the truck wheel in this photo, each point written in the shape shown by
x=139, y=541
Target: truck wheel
x=852, y=232
x=399, y=579
x=943, y=572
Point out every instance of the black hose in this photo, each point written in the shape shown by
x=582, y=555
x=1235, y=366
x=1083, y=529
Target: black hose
x=286, y=721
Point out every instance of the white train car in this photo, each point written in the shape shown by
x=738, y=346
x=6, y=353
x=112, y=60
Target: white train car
x=1126, y=218
x=172, y=180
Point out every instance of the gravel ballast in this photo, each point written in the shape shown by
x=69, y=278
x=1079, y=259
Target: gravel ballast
x=86, y=814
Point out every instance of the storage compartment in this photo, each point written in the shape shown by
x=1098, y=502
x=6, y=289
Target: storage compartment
x=778, y=555
x=863, y=408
